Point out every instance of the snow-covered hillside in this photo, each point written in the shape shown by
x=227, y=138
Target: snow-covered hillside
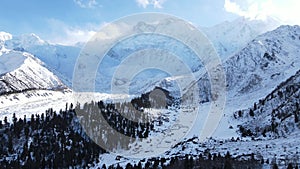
x=275, y=115
x=260, y=66
x=231, y=36
x=20, y=71
x=265, y=62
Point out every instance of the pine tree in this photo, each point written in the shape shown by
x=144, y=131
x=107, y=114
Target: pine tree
x=227, y=155
x=10, y=144
x=251, y=113
x=209, y=156
x=14, y=119
x=296, y=117
x=290, y=166
x=240, y=113
x=255, y=106
x=275, y=166
x=129, y=166
x=5, y=120
x=228, y=164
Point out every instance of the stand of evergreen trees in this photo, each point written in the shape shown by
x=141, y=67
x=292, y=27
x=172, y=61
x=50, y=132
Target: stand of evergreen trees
x=57, y=140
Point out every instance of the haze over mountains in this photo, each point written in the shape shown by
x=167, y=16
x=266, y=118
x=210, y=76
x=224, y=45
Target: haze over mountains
x=227, y=37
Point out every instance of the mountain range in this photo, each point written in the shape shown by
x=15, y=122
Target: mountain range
x=261, y=61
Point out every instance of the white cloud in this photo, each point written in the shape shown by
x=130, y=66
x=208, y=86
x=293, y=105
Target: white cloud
x=62, y=33
x=86, y=3
x=146, y=3
x=286, y=11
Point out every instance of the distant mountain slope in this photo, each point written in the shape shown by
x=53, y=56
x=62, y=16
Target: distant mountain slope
x=20, y=71
x=227, y=37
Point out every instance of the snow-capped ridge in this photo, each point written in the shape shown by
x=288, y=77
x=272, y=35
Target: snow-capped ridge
x=283, y=31
x=21, y=71
x=5, y=36
x=278, y=52
x=261, y=65
x=24, y=41
x=57, y=58
x=231, y=36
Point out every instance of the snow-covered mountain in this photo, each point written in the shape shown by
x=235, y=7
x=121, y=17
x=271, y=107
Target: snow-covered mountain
x=227, y=37
x=265, y=62
x=253, y=74
x=259, y=67
x=20, y=71
x=231, y=36
x=59, y=59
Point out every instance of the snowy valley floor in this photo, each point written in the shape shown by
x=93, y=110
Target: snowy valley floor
x=284, y=149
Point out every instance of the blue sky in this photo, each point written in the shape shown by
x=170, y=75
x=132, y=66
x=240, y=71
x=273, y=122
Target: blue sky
x=68, y=21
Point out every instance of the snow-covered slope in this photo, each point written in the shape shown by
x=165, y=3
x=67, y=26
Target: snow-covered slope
x=20, y=71
x=230, y=37
x=277, y=114
x=264, y=63
x=57, y=58
x=254, y=72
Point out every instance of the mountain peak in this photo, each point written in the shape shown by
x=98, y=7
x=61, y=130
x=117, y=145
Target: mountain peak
x=21, y=71
x=5, y=36
x=24, y=41
x=231, y=36
x=32, y=39
x=288, y=28
x=283, y=31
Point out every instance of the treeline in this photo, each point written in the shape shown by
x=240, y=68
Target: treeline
x=45, y=141
x=201, y=161
x=107, y=126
